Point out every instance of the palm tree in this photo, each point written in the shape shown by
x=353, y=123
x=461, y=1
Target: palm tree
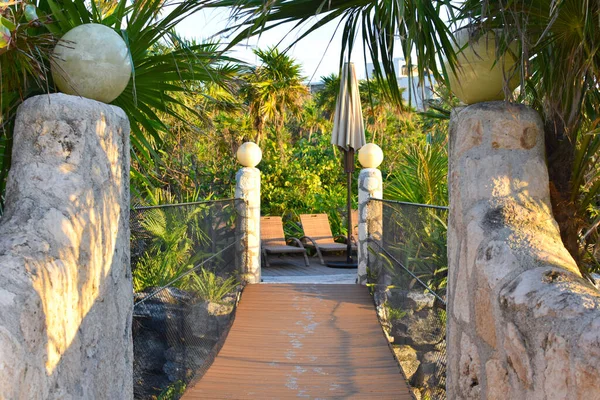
x=312, y=121
x=273, y=90
x=557, y=49
x=326, y=97
x=165, y=68
x=377, y=107
x=414, y=25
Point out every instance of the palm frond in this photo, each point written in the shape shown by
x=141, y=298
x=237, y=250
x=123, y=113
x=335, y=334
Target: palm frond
x=413, y=26
x=166, y=68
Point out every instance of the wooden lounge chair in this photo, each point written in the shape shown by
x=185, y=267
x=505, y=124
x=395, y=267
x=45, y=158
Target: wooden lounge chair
x=354, y=226
x=317, y=235
x=273, y=240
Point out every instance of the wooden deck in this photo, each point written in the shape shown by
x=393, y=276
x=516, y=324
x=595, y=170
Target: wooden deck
x=304, y=341
x=291, y=269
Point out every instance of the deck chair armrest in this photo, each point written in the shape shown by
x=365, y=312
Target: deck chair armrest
x=304, y=239
x=296, y=241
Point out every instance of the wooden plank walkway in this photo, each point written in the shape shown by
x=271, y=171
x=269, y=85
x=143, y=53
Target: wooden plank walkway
x=291, y=269
x=304, y=341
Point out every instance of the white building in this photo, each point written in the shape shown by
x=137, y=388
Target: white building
x=418, y=94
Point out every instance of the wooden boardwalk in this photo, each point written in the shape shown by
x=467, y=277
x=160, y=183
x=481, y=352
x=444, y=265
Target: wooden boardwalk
x=291, y=269
x=304, y=341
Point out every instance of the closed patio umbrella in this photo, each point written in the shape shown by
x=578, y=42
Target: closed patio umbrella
x=349, y=135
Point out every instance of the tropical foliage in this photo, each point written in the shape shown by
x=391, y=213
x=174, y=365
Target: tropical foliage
x=414, y=27
x=166, y=68
x=326, y=97
x=173, y=238
x=273, y=91
x=211, y=287
x=191, y=106
x=556, y=46
x=421, y=176
x=417, y=235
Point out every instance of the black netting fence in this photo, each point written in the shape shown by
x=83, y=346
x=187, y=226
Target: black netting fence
x=407, y=271
x=186, y=281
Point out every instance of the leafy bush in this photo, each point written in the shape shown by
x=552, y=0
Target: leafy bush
x=211, y=287
x=420, y=234
x=422, y=173
x=394, y=313
x=173, y=392
x=173, y=237
x=158, y=268
x=307, y=178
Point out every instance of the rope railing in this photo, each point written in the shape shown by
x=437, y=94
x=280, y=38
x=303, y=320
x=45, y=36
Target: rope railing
x=185, y=267
x=405, y=203
x=388, y=255
x=191, y=203
x=407, y=267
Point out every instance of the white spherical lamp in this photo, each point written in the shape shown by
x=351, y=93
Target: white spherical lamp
x=479, y=76
x=249, y=154
x=91, y=61
x=370, y=155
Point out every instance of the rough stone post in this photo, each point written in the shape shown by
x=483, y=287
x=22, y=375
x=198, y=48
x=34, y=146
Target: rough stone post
x=65, y=280
x=370, y=185
x=522, y=323
x=248, y=188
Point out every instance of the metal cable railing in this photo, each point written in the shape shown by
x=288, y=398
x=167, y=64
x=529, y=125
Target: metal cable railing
x=186, y=281
x=407, y=271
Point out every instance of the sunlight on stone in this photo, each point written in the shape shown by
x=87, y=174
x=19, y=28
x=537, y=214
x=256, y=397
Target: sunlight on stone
x=57, y=286
x=501, y=186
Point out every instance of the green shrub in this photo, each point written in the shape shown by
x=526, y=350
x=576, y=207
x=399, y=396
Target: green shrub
x=211, y=287
x=173, y=392
x=394, y=313
x=176, y=240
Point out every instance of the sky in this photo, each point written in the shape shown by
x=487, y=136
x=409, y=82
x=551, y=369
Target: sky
x=312, y=52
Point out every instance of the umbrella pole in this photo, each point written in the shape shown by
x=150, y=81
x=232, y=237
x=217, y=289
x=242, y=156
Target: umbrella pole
x=349, y=214
x=348, y=168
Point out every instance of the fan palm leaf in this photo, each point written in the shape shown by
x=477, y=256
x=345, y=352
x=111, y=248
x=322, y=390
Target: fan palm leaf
x=165, y=68
x=422, y=175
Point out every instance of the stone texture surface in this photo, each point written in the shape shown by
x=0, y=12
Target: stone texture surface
x=65, y=284
x=370, y=215
x=523, y=323
x=174, y=332
x=413, y=322
x=407, y=357
x=247, y=187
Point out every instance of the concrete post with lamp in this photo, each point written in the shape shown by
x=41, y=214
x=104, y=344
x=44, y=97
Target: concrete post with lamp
x=370, y=186
x=247, y=188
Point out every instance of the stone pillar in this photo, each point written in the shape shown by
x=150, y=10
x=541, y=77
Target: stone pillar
x=369, y=217
x=248, y=188
x=65, y=280
x=522, y=323
x=370, y=185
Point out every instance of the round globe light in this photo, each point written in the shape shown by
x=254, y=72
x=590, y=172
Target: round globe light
x=479, y=77
x=249, y=154
x=91, y=61
x=370, y=155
